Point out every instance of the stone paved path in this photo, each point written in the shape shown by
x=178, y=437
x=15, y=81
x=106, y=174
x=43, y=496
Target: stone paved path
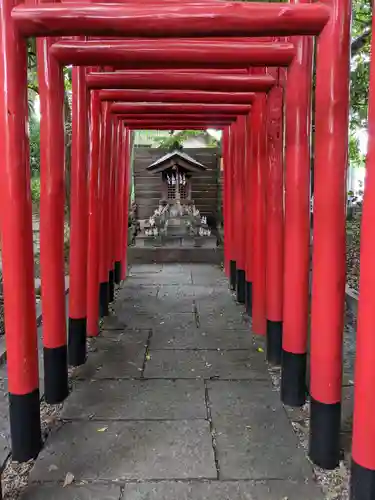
x=174, y=403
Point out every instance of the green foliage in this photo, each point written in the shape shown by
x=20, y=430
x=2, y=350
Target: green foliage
x=176, y=140
x=35, y=189
x=359, y=75
x=360, y=64
x=34, y=128
x=356, y=159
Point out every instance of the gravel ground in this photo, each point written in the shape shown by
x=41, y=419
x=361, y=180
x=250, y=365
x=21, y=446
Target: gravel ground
x=353, y=228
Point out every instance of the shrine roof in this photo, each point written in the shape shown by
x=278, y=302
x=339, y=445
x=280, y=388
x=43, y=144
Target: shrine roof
x=176, y=158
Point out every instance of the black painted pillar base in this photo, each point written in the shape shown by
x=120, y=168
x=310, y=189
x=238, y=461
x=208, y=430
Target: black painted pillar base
x=274, y=341
x=111, y=285
x=77, y=341
x=103, y=299
x=293, y=378
x=241, y=288
x=56, y=387
x=324, y=445
x=117, y=272
x=25, y=427
x=233, y=274
x=249, y=297
x=362, y=482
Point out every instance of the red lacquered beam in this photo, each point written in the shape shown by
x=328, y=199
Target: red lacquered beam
x=220, y=71
x=166, y=108
x=151, y=53
x=183, y=81
x=168, y=118
x=171, y=20
x=163, y=125
x=139, y=95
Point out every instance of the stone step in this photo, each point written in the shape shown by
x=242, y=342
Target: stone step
x=149, y=255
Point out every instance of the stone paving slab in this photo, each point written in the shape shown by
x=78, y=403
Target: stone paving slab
x=137, y=400
x=209, y=279
x=202, y=268
x=141, y=320
x=190, y=268
x=168, y=323
x=217, y=301
x=210, y=292
x=177, y=268
x=161, y=279
x=137, y=293
x=220, y=321
x=224, y=305
x=176, y=291
x=205, y=364
x=198, y=338
x=245, y=450
x=223, y=490
x=161, y=321
x=243, y=398
x=72, y=492
x=114, y=323
x=146, y=269
x=129, y=336
x=127, y=450
x=155, y=305
x=108, y=361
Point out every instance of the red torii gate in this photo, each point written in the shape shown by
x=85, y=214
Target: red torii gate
x=331, y=101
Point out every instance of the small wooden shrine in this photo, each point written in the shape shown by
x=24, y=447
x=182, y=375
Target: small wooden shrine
x=176, y=218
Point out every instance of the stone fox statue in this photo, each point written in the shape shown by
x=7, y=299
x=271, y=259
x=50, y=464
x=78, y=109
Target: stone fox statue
x=212, y=224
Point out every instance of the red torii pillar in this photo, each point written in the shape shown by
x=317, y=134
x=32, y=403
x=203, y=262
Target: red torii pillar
x=225, y=199
x=126, y=200
x=328, y=286
x=119, y=202
x=52, y=216
x=259, y=124
x=297, y=224
x=113, y=153
x=275, y=222
x=249, y=215
x=93, y=258
x=239, y=201
x=104, y=180
x=232, y=206
x=363, y=455
x=79, y=220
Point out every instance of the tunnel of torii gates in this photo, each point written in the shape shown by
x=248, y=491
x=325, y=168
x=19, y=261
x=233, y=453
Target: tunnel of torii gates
x=197, y=71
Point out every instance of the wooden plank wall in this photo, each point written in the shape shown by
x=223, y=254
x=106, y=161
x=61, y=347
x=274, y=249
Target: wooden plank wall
x=148, y=187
